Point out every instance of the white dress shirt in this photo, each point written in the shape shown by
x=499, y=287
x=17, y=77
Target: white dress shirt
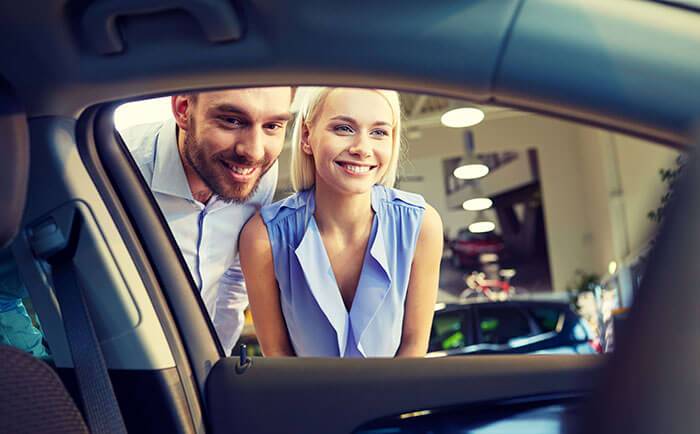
x=207, y=234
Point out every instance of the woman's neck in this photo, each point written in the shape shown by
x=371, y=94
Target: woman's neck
x=348, y=215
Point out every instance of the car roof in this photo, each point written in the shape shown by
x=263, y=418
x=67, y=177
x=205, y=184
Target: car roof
x=626, y=65
x=551, y=300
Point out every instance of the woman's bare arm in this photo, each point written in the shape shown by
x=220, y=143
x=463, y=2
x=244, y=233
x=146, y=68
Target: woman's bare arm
x=263, y=293
x=422, y=287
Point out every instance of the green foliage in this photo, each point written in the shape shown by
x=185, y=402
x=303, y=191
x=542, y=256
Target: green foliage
x=668, y=177
x=582, y=282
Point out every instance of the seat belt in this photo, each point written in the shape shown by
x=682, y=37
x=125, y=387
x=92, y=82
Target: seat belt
x=99, y=401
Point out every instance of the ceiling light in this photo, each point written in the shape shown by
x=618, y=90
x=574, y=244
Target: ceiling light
x=470, y=167
x=612, y=267
x=462, y=117
x=481, y=227
x=471, y=171
x=477, y=204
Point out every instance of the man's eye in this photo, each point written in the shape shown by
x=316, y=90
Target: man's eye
x=231, y=121
x=346, y=129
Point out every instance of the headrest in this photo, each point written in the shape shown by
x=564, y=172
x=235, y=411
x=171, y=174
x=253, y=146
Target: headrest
x=14, y=163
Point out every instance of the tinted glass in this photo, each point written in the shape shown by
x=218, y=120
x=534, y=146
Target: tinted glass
x=498, y=325
x=450, y=331
x=548, y=319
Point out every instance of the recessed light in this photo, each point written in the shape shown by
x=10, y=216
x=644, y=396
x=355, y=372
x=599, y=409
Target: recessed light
x=471, y=171
x=481, y=227
x=477, y=204
x=462, y=117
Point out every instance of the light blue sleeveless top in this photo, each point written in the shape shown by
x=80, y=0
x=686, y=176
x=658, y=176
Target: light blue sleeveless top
x=317, y=320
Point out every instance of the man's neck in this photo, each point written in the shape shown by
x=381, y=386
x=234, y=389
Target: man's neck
x=202, y=196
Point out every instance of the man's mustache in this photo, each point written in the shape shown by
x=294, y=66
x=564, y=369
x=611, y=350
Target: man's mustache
x=244, y=161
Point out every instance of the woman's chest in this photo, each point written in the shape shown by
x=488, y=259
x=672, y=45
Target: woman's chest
x=346, y=261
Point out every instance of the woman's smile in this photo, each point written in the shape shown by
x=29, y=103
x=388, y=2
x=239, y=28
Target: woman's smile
x=354, y=169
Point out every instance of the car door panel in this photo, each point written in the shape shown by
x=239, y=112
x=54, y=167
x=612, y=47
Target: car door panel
x=303, y=395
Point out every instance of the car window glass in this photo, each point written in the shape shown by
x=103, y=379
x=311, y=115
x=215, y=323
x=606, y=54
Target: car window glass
x=450, y=330
x=548, y=319
x=498, y=325
x=566, y=214
x=19, y=324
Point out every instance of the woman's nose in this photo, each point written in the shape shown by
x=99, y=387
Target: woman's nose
x=361, y=148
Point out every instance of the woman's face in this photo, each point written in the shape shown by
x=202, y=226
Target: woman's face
x=351, y=140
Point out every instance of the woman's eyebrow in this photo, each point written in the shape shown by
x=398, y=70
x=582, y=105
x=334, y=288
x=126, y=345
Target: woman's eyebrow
x=353, y=121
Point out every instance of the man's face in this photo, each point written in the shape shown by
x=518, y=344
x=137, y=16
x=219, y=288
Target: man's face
x=232, y=137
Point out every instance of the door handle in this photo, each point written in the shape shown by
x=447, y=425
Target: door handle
x=217, y=18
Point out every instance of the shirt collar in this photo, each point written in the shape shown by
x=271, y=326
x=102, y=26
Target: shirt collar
x=168, y=172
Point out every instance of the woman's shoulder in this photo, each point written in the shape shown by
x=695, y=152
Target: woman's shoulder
x=285, y=207
x=394, y=196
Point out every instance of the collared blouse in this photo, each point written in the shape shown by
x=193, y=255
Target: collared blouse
x=317, y=320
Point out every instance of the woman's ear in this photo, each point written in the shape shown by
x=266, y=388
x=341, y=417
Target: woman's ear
x=305, y=146
x=182, y=106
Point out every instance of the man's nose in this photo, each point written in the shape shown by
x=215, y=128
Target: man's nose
x=251, y=145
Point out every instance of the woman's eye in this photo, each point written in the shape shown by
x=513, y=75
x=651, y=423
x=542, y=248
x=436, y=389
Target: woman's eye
x=347, y=129
x=380, y=132
x=273, y=127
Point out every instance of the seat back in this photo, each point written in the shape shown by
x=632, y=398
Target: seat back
x=14, y=164
x=33, y=398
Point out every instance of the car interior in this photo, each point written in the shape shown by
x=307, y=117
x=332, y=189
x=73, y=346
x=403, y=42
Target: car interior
x=132, y=348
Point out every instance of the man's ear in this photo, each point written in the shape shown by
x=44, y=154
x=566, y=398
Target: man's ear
x=305, y=146
x=182, y=106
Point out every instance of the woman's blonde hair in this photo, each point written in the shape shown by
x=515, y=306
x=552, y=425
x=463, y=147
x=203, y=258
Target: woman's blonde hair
x=303, y=171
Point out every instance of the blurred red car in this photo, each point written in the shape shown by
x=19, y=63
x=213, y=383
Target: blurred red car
x=468, y=247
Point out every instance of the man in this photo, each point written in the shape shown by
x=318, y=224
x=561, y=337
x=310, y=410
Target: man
x=210, y=168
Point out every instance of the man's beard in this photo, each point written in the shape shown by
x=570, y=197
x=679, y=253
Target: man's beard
x=212, y=172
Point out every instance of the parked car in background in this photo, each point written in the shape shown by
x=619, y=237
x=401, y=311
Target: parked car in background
x=468, y=247
x=516, y=326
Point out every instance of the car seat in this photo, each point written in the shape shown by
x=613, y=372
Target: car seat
x=32, y=397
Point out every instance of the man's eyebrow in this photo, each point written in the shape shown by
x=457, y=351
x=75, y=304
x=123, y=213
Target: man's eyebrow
x=231, y=108
x=353, y=121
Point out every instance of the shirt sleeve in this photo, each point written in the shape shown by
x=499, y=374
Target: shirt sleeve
x=231, y=302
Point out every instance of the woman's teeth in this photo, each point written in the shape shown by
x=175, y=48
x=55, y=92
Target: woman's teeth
x=357, y=169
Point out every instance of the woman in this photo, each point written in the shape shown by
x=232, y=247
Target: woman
x=347, y=266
